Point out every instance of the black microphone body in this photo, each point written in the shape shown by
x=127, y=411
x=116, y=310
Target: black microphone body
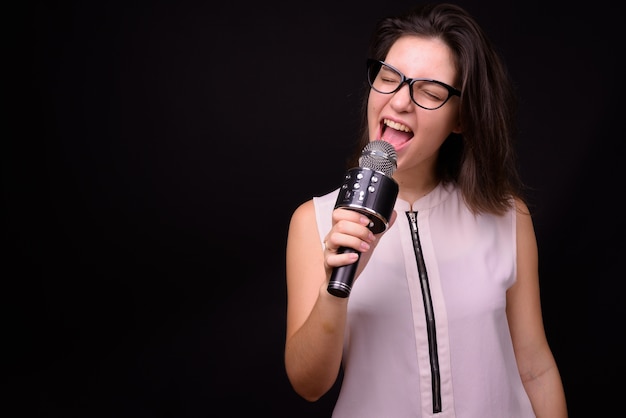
x=370, y=190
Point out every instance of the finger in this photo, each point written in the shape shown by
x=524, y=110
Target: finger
x=342, y=214
x=337, y=241
x=334, y=259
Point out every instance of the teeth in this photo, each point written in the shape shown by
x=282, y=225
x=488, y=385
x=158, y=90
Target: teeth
x=397, y=126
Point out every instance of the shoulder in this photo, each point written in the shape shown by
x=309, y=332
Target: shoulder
x=308, y=208
x=304, y=211
x=521, y=206
x=523, y=217
x=315, y=213
x=527, y=251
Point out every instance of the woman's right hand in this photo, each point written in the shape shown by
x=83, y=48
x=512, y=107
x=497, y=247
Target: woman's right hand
x=350, y=229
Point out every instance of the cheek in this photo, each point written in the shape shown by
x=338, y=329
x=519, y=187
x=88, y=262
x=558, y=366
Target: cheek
x=373, y=112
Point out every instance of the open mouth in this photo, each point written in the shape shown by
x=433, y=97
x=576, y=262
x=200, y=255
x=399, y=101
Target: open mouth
x=395, y=133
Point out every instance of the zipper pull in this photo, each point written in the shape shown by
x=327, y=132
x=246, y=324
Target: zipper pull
x=413, y=219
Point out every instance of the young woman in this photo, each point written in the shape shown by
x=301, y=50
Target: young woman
x=444, y=316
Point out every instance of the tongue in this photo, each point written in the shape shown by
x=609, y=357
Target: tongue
x=396, y=138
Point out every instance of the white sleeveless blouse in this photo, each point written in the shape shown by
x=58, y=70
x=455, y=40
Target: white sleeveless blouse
x=470, y=262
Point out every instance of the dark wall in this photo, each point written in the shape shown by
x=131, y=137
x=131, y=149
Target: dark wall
x=154, y=152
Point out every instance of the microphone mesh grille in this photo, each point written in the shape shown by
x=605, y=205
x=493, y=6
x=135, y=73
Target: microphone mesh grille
x=380, y=156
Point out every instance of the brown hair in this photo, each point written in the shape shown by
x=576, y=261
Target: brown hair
x=481, y=160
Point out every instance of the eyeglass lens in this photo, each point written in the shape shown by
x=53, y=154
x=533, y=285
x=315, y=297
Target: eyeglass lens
x=385, y=79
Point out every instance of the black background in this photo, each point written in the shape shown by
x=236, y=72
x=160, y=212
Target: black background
x=153, y=154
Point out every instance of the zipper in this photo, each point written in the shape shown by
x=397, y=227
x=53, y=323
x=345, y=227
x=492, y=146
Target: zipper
x=429, y=311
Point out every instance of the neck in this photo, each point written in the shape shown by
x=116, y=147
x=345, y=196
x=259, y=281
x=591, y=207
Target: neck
x=414, y=185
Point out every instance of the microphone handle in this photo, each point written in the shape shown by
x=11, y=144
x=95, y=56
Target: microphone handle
x=341, y=279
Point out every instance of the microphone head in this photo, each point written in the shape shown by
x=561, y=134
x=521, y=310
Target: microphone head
x=370, y=189
x=380, y=156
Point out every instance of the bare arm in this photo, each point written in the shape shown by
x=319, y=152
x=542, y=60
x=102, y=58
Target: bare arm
x=316, y=319
x=535, y=361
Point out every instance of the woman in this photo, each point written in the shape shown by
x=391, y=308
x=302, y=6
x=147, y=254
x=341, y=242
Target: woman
x=444, y=316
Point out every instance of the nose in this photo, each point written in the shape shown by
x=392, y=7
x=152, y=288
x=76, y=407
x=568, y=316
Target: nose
x=401, y=99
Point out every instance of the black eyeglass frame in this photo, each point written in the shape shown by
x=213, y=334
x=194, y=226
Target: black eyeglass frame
x=451, y=90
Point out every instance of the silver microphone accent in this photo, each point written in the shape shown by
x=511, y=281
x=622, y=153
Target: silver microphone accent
x=370, y=190
x=379, y=156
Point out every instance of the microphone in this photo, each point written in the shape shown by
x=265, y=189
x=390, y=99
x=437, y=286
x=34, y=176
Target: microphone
x=370, y=190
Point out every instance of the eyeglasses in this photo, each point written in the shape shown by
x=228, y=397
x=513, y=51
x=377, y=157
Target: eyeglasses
x=426, y=93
